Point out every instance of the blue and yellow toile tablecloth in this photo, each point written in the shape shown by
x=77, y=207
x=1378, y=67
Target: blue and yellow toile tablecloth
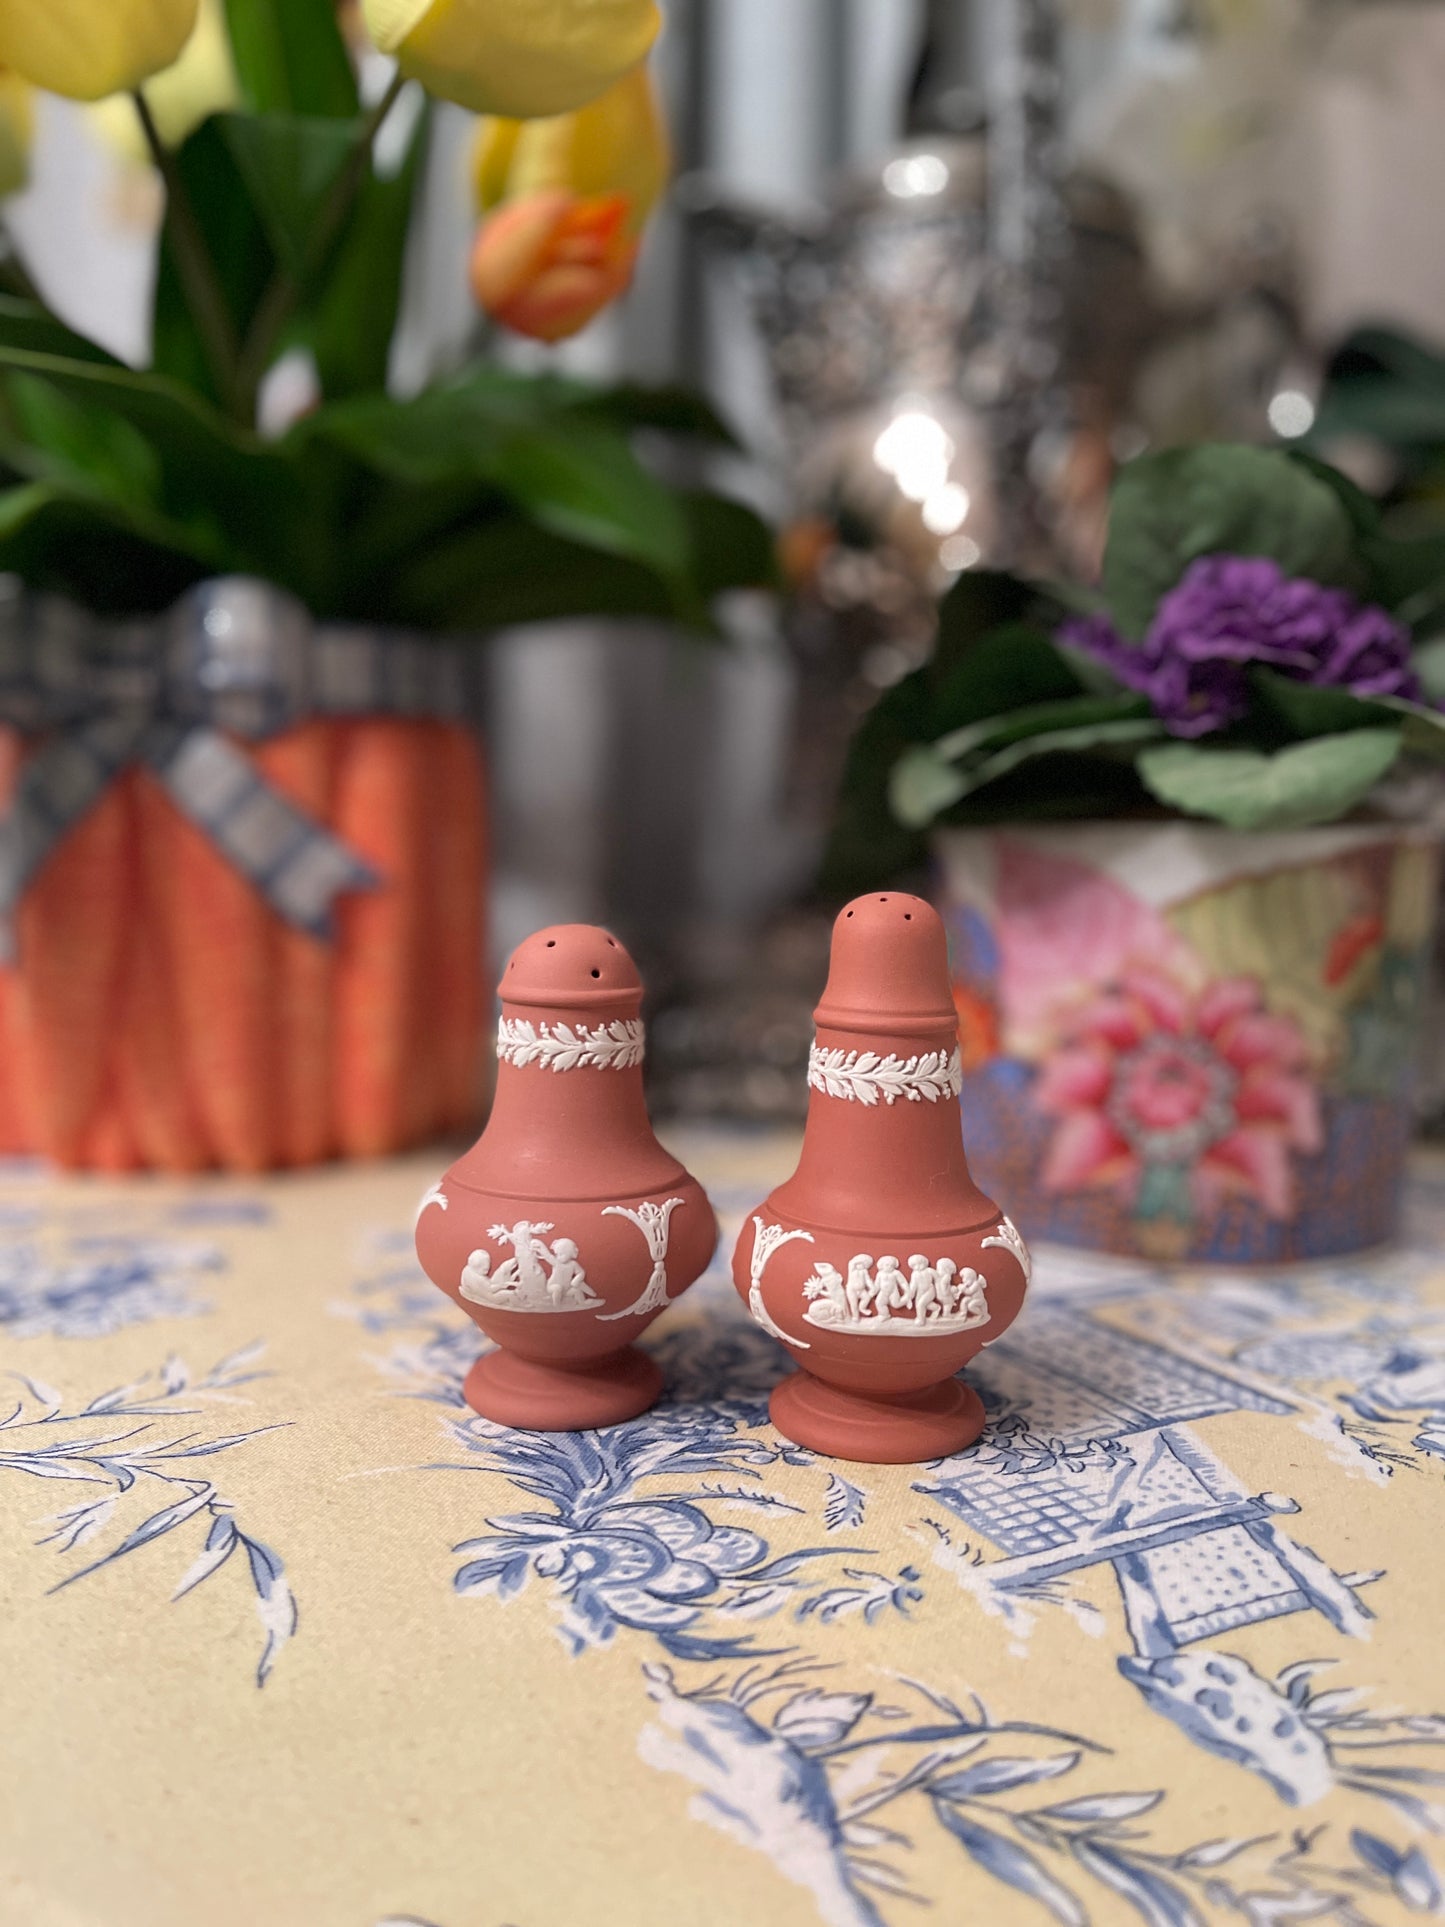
x=288, y=1638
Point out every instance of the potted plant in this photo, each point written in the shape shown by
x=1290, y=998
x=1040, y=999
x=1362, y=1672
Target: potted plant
x=1186, y=841
x=244, y=856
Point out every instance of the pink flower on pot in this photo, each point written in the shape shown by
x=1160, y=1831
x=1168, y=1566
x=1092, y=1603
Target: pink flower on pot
x=1152, y=1077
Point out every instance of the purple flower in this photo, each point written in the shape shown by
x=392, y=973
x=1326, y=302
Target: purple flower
x=1228, y=611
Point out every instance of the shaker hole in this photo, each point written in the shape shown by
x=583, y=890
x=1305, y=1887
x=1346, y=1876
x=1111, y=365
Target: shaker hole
x=551, y=943
x=908, y=916
x=597, y=973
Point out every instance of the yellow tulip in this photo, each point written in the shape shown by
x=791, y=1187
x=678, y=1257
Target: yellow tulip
x=203, y=81
x=89, y=48
x=517, y=57
x=615, y=145
x=17, y=126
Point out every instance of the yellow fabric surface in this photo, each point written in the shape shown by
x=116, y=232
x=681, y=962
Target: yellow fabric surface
x=1165, y=1646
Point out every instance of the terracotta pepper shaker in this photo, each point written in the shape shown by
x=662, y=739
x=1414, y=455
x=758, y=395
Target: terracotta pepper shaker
x=567, y=1227
x=880, y=1264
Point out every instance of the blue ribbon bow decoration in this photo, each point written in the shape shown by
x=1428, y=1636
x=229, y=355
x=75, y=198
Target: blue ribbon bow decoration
x=234, y=657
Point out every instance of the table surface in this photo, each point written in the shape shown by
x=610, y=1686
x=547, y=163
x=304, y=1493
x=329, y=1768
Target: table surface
x=292, y=1639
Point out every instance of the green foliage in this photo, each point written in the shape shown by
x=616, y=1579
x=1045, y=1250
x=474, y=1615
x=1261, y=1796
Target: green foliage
x=290, y=57
x=1249, y=790
x=1169, y=509
x=462, y=507
x=490, y=498
x=1008, y=723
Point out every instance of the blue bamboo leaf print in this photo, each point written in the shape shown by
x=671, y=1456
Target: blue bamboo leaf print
x=130, y=1459
x=155, y=1527
x=1011, y=1864
x=1001, y=1775
x=1417, y=1883
x=1375, y=1852
x=761, y=1790
x=275, y=1602
x=816, y=1718
x=1155, y=1899
x=844, y=1507
x=1096, y=1808
x=1217, y=1853
x=220, y=1544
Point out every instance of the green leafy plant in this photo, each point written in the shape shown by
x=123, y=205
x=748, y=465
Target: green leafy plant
x=1199, y=683
x=491, y=497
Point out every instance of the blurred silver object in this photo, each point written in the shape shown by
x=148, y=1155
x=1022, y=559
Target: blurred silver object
x=947, y=399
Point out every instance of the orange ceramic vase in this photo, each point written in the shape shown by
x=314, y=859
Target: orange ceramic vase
x=567, y=1227
x=880, y=1264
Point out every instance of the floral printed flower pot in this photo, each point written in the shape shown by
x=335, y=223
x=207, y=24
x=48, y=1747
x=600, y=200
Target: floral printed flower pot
x=1181, y=1042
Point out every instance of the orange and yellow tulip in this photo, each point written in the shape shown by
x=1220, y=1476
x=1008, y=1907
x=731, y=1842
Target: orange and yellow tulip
x=546, y=264
x=568, y=198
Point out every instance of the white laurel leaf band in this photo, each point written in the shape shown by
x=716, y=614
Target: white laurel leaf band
x=571, y=1047
x=863, y=1077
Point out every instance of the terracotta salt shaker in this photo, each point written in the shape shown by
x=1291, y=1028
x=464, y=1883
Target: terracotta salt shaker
x=567, y=1227
x=880, y=1264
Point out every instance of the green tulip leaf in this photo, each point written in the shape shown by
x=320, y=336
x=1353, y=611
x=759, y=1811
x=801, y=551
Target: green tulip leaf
x=730, y=544
x=582, y=481
x=112, y=559
x=94, y=449
x=667, y=409
x=288, y=165
x=241, y=255
x=26, y=325
x=290, y=57
x=1311, y=782
x=1169, y=509
x=350, y=315
x=239, y=498
x=504, y=571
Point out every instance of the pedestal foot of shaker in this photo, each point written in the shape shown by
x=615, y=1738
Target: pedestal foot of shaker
x=555, y=1398
x=902, y=1428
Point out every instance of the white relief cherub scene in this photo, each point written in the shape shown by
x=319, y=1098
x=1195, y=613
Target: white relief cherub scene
x=924, y=1299
x=537, y=1276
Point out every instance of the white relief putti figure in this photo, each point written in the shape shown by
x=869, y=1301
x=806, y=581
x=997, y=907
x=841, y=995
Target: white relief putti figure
x=767, y=1238
x=879, y=1298
x=652, y=1221
x=866, y=1077
x=537, y=1276
x=617, y=1046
